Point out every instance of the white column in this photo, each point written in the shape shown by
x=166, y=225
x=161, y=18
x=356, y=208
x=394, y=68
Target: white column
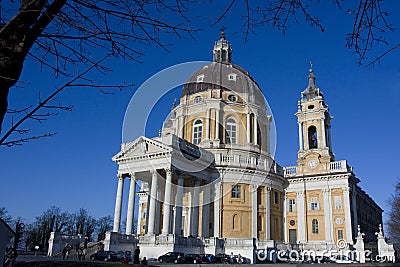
x=194, y=225
x=301, y=217
x=217, y=210
x=268, y=213
x=131, y=204
x=205, y=228
x=255, y=137
x=300, y=135
x=285, y=238
x=178, y=206
x=248, y=127
x=328, y=215
x=323, y=136
x=254, y=208
x=153, y=203
x=181, y=126
x=217, y=124
x=167, y=203
x=347, y=215
x=208, y=124
x=118, y=204
x=268, y=136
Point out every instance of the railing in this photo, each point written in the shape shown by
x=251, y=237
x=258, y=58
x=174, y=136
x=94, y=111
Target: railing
x=248, y=161
x=238, y=242
x=334, y=167
x=339, y=166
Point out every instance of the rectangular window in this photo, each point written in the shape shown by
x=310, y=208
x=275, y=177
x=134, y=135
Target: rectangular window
x=314, y=204
x=338, y=202
x=276, y=198
x=292, y=205
x=340, y=234
x=236, y=191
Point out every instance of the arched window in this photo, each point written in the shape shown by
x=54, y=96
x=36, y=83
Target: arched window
x=197, y=131
x=315, y=226
x=231, y=131
x=235, y=222
x=312, y=137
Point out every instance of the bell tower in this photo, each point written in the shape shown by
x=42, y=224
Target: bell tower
x=315, y=146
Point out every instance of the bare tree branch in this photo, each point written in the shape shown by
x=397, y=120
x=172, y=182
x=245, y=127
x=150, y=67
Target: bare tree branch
x=40, y=117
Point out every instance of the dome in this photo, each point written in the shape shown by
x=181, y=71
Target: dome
x=226, y=77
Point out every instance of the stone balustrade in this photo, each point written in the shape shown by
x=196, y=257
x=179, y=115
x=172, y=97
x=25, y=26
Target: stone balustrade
x=334, y=167
x=247, y=161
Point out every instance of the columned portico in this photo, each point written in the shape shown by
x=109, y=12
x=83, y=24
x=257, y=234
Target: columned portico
x=118, y=204
x=205, y=228
x=217, y=209
x=178, y=206
x=194, y=219
x=131, y=204
x=153, y=203
x=167, y=203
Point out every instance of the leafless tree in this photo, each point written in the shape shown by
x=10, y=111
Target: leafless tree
x=393, y=222
x=63, y=34
x=369, y=29
x=5, y=216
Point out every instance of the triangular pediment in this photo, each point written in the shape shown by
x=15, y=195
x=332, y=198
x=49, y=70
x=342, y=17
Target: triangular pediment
x=141, y=146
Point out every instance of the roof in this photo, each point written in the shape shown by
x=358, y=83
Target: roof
x=216, y=76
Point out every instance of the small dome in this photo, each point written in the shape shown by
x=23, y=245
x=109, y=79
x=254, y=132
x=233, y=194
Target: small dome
x=227, y=77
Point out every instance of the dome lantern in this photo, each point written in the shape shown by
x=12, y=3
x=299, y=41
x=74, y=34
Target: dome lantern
x=222, y=52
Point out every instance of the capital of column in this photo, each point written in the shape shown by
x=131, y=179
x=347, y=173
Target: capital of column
x=268, y=189
x=300, y=194
x=132, y=176
x=254, y=187
x=346, y=190
x=217, y=186
x=168, y=171
x=121, y=176
x=326, y=191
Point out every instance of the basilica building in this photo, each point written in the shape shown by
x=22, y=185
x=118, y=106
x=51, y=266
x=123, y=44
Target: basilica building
x=209, y=182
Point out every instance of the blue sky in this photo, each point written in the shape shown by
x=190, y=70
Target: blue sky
x=74, y=169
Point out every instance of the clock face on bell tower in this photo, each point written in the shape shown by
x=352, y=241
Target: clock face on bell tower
x=314, y=127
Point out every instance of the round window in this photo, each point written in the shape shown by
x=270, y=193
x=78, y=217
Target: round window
x=310, y=106
x=232, y=98
x=197, y=99
x=292, y=222
x=339, y=220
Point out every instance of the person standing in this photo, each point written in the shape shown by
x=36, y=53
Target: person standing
x=136, y=255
